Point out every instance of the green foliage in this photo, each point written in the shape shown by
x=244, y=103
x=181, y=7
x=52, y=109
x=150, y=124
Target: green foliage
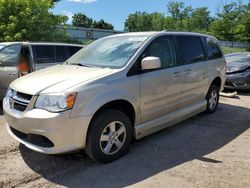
x=81, y=20
x=178, y=11
x=228, y=50
x=225, y=24
x=101, y=24
x=22, y=20
x=142, y=21
x=232, y=23
x=199, y=20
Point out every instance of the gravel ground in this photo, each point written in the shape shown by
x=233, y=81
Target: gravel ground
x=204, y=151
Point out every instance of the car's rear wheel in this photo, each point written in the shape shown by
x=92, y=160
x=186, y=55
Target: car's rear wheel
x=109, y=136
x=212, y=98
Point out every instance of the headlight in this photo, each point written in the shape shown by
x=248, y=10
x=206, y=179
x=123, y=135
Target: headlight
x=10, y=93
x=56, y=102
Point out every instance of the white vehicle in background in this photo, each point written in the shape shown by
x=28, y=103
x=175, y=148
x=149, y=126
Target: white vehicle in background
x=30, y=57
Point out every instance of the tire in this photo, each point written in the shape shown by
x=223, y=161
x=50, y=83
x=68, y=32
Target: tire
x=212, y=98
x=109, y=136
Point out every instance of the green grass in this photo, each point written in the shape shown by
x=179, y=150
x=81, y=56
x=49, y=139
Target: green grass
x=228, y=50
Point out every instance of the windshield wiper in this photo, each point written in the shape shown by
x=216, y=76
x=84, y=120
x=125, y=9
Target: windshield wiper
x=83, y=65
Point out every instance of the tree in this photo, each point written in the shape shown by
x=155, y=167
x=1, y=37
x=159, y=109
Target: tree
x=101, y=24
x=178, y=11
x=199, y=20
x=231, y=23
x=224, y=26
x=139, y=21
x=22, y=20
x=181, y=18
x=158, y=21
x=81, y=20
x=242, y=29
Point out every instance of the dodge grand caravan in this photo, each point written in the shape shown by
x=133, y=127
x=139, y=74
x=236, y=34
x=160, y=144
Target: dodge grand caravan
x=118, y=88
x=34, y=55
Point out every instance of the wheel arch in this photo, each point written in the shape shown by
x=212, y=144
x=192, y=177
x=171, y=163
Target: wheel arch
x=217, y=81
x=119, y=104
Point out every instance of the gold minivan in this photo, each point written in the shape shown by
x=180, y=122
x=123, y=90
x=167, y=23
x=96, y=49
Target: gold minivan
x=117, y=88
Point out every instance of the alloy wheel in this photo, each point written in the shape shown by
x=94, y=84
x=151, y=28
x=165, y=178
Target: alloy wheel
x=113, y=138
x=213, y=100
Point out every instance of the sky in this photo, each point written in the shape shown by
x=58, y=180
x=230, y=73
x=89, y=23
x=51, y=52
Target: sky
x=116, y=11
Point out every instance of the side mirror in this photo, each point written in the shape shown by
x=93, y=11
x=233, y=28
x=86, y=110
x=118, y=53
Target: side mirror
x=150, y=63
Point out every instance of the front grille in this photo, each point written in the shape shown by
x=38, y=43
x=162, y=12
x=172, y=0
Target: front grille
x=20, y=107
x=19, y=101
x=23, y=96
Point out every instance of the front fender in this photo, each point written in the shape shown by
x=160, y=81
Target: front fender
x=91, y=101
x=98, y=101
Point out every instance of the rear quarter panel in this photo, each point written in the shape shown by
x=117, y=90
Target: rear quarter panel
x=217, y=69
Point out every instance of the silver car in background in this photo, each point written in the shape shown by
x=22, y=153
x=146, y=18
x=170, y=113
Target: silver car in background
x=37, y=55
x=238, y=71
x=117, y=88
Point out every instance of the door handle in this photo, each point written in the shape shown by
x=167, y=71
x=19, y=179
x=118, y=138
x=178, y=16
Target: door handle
x=13, y=74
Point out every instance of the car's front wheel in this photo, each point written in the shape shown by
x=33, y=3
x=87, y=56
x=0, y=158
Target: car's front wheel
x=109, y=136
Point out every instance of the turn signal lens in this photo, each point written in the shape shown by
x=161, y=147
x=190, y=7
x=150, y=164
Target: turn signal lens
x=71, y=100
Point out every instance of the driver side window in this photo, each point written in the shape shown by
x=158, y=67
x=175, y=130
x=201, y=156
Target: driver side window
x=163, y=48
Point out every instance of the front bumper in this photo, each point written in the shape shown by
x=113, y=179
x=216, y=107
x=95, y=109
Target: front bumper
x=64, y=133
x=237, y=81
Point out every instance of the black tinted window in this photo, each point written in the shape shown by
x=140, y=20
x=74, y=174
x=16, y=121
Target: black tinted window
x=163, y=48
x=44, y=54
x=61, y=55
x=73, y=50
x=213, y=49
x=190, y=49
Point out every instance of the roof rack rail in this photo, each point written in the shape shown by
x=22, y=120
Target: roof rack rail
x=169, y=30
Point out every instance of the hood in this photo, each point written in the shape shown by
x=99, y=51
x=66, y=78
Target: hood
x=235, y=66
x=57, y=79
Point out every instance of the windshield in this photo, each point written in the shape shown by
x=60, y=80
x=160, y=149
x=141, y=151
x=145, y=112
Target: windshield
x=9, y=54
x=113, y=52
x=238, y=58
x=1, y=46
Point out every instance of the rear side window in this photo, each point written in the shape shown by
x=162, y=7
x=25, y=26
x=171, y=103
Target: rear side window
x=61, y=54
x=44, y=54
x=73, y=49
x=190, y=49
x=213, y=49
